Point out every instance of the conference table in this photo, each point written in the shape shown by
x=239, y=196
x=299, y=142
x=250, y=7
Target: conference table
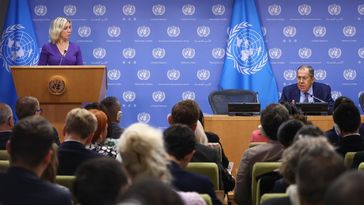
x=235, y=132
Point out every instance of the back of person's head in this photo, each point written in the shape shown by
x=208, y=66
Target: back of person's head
x=142, y=151
x=31, y=141
x=291, y=108
x=348, y=189
x=347, y=117
x=287, y=131
x=316, y=171
x=113, y=108
x=185, y=112
x=26, y=106
x=81, y=122
x=6, y=115
x=308, y=131
x=101, y=131
x=271, y=118
x=179, y=140
x=99, y=106
x=342, y=100
x=100, y=181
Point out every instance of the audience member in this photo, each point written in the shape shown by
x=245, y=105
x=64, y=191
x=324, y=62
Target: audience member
x=6, y=124
x=308, y=131
x=30, y=153
x=200, y=134
x=99, y=106
x=79, y=129
x=113, y=109
x=100, y=181
x=287, y=132
x=271, y=118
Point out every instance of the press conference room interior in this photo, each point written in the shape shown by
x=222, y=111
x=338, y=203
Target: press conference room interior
x=243, y=102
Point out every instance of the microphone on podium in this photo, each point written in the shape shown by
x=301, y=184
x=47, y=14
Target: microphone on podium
x=314, y=97
x=64, y=53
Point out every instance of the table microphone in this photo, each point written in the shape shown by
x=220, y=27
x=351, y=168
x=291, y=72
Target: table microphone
x=314, y=97
x=64, y=53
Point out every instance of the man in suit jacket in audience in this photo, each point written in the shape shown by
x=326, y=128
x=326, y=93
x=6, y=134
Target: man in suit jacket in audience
x=30, y=152
x=6, y=124
x=78, y=131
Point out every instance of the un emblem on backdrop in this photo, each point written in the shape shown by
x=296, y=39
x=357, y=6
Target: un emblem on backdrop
x=129, y=9
x=99, y=9
x=129, y=96
x=17, y=47
x=246, y=49
x=218, y=9
x=304, y=53
x=129, y=53
x=289, y=31
x=143, y=117
x=158, y=9
x=275, y=53
x=334, y=9
x=188, y=53
x=335, y=94
x=203, y=74
x=203, y=31
x=173, y=31
x=69, y=10
x=361, y=9
x=84, y=31
x=188, y=95
x=218, y=53
x=319, y=31
x=361, y=52
x=173, y=74
x=320, y=74
x=99, y=53
x=349, y=74
x=143, y=74
x=158, y=53
x=113, y=31
x=158, y=96
x=349, y=31
x=188, y=9
x=334, y=53
x=304, y=9
x=40, y=10
x=274, y=9
x=143, y=31
x=113, y=74
x=289, y=74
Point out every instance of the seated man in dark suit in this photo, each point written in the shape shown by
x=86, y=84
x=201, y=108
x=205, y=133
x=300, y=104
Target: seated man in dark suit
x=6, y=124
x=114, y=112
x=306, y=89
x=180, y=145
x=78, y=131
x=30, y=152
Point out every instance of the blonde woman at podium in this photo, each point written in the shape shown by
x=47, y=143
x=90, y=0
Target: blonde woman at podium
x=60, y=51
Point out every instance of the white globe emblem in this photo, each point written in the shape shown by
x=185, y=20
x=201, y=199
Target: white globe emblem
x=173, y=74
x=304, y=9
x=334, y=9
x=274, y=9
x=304, y=53
x=129, y=53
x=246, y=49
x=173, y=31
x=84, y=31
x=264, y=31
x=349, y=74
x=218, y=9
x=158, y=9
x=99, y=53
x=70, y=10
x=320, y=74
x=17, y=47
x=188, y=53
x=349, y=31
x=188, y=9
x=129, y=96
x=143, y=74
x=289, y=74
x=361, y=9
x=361, y=52
x=143, y=117
x=334, y=53
x=319, y=31
x=113, y=74
x=203, y=74
x=143, y=31
x=99, y=9
x=158, y=53
x=203, y=31
x=129, y=9
x=359, y=93
x=335, y=94
x=275, y=53
x=289, y=31
x=40, y=10
x=113, y=31
x=158, y=96
x=218, y=53
x=188, y=95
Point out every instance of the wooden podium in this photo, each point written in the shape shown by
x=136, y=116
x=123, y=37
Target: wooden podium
x=60, y=88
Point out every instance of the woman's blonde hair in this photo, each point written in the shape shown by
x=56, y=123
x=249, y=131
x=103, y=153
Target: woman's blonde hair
x=56, y=28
